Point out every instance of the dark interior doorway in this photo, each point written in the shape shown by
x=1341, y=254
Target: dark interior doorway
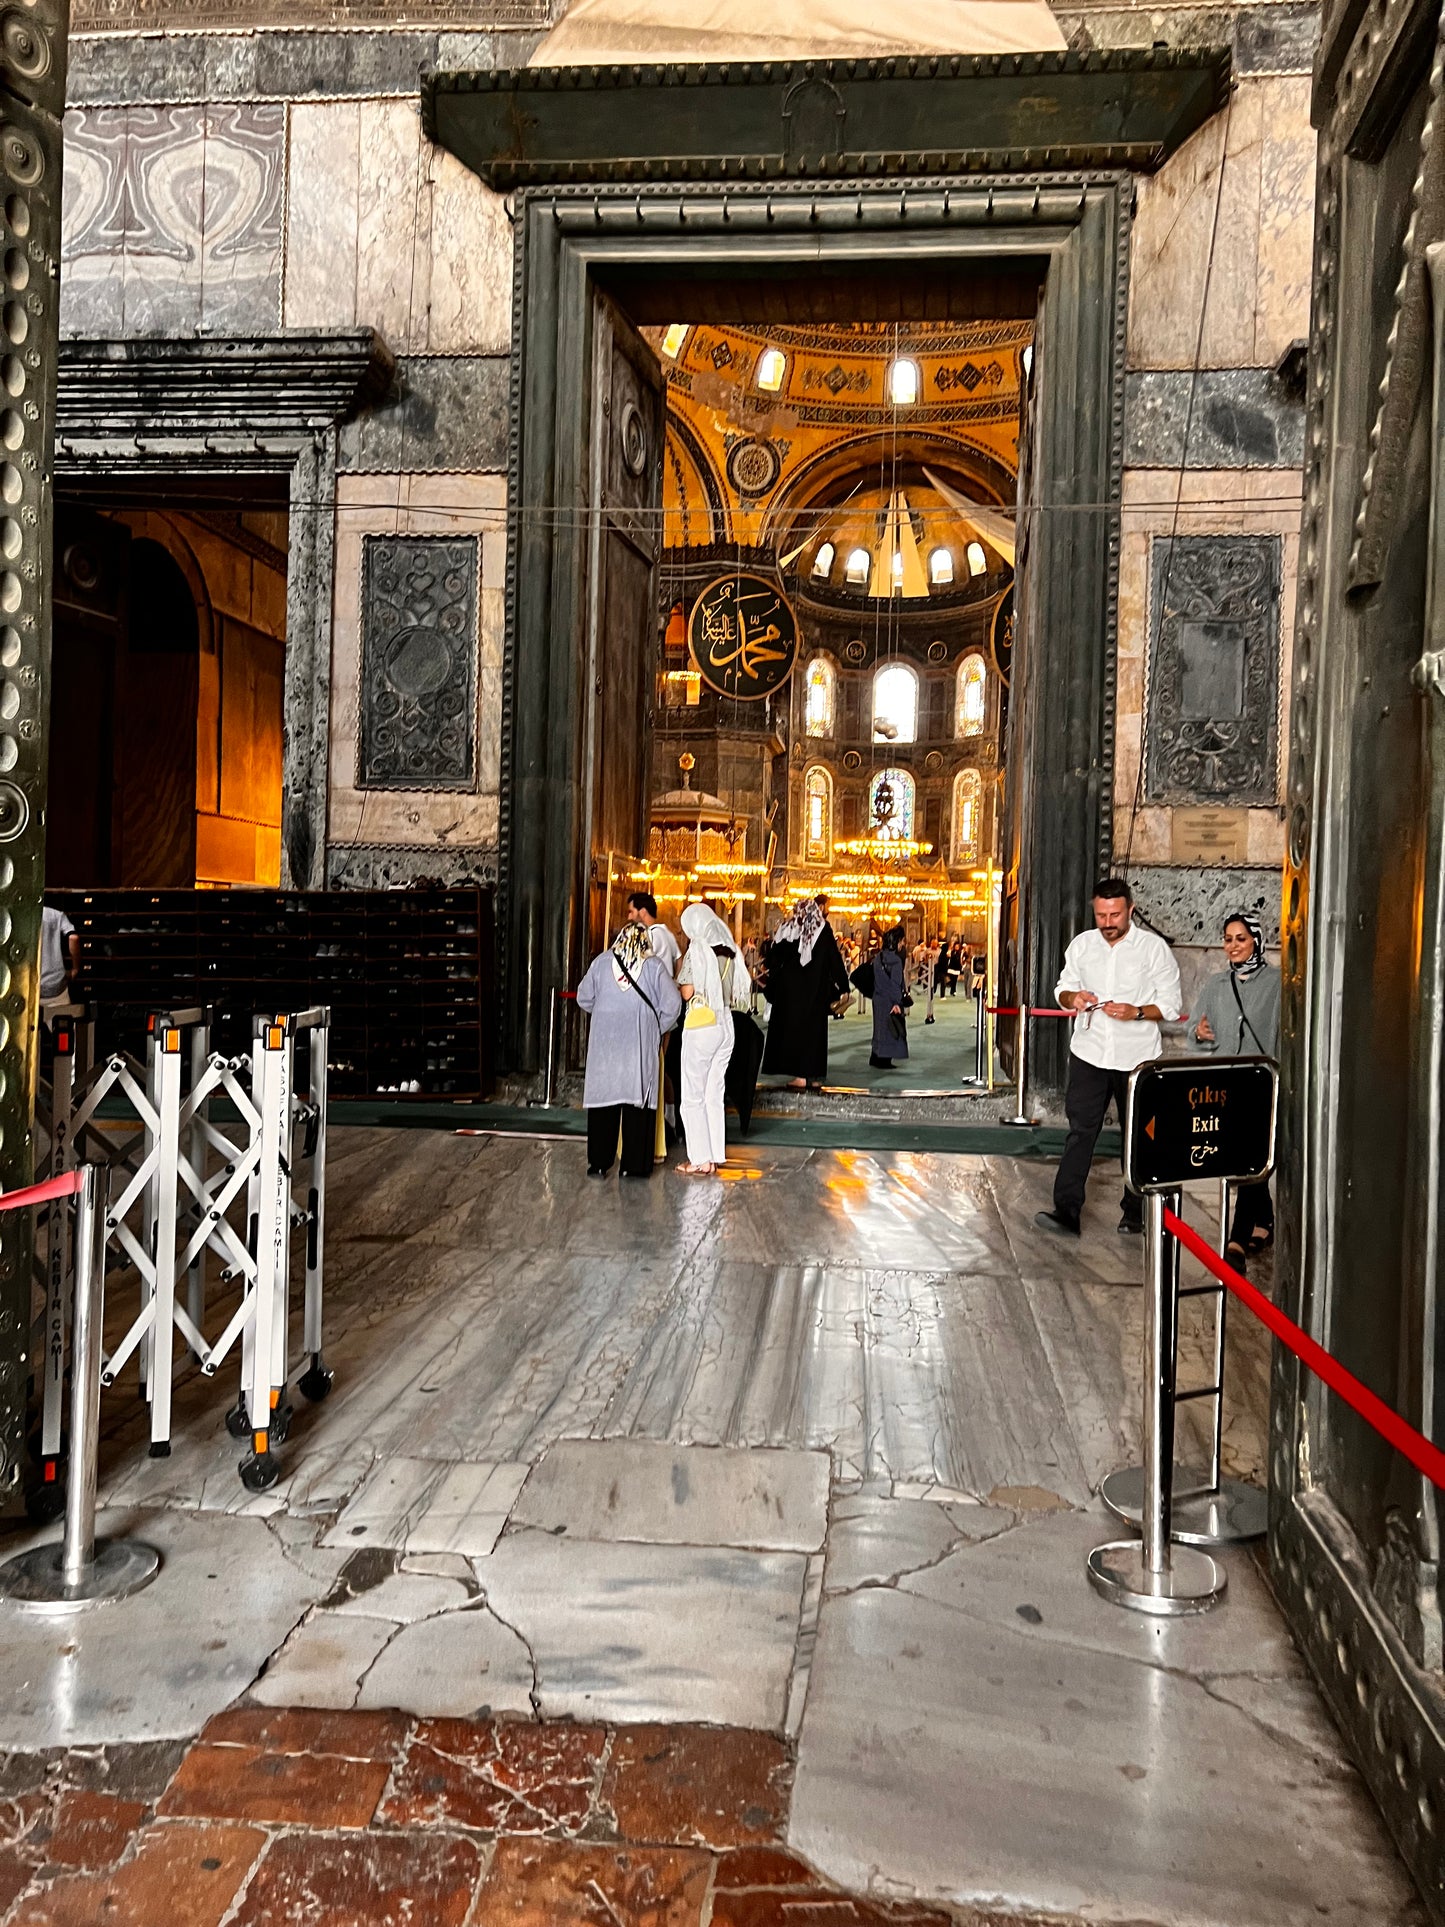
x=166, y=710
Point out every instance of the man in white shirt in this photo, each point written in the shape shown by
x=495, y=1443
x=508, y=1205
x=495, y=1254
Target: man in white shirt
x=1123, y=983
x=642, y=908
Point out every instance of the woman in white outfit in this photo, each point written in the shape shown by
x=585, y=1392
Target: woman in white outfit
x=714, y=981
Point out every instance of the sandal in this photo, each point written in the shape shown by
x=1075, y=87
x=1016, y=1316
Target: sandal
x=797, y=1083
x=697, y=1170
x=1234, y=1254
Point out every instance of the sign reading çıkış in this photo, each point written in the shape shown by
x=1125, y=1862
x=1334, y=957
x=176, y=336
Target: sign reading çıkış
x=743, y=636
x=1200, y=1117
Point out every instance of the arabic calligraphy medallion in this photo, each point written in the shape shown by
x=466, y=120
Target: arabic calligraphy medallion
x=743, y=636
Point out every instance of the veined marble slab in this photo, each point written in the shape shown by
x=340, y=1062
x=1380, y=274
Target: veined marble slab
x=986, y=1730
x=426, y=1505
x=679, y=1495
x=636, y=1633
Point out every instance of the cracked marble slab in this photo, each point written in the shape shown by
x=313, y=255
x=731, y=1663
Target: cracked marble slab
x=988, y=1731
x=426, y=1505
x=662, y=1494
x=633, y=1632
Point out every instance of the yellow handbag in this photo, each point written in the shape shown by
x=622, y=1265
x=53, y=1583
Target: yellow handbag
x=700, y=1016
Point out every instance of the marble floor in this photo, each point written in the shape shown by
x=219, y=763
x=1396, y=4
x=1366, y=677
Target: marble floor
x=811, y=1451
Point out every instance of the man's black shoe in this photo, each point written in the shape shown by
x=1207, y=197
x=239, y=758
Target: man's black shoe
x=595, y=1171
x=1132, y=1227
x=1056, y=1222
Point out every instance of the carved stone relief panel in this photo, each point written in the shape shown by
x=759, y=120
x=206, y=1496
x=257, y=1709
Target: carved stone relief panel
x=418, y=662
x=1214, y=619
x=173, y=219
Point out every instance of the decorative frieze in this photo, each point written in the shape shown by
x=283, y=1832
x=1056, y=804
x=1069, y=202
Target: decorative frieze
x=418, y=662
x=1213, y=704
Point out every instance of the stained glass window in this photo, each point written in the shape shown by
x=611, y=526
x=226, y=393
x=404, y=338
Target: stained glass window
x=891, y=799
x=967, y=813
x=818, y=832
x=972, y=697
x=819, y=696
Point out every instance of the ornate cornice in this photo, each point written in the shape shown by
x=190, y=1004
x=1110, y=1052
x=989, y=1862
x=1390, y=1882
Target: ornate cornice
x=766, y=120
x=246, y=401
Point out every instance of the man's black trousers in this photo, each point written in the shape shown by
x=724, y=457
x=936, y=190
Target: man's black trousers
x=639, y=1138
x=1086, y=1100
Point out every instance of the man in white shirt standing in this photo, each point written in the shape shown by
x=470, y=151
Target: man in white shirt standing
x=642, y=908
x=1123, y=983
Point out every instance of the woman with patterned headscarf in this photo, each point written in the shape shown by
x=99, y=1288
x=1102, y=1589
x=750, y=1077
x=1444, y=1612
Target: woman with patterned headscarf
x=806, y=977
x=629, y=994
x=1239, y=1017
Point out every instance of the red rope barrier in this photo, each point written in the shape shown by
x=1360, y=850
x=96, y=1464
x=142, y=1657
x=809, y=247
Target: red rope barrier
x=65, y=1186
x=1424, y=1456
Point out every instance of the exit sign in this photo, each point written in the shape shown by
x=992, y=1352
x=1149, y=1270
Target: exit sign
x=1200, y=1117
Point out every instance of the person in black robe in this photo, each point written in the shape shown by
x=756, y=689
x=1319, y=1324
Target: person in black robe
x=890, y=1002
x=806, y=977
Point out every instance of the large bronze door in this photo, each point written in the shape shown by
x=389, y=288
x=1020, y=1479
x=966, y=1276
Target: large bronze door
x=628, y=425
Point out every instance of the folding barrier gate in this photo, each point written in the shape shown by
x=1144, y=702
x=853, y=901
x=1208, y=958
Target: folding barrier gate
x=167, y=1209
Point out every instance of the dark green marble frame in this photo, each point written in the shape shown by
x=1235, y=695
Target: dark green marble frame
x=1076, y=226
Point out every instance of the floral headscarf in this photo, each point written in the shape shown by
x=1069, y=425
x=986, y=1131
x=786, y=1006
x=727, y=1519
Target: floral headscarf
x=804, y=928
x=1256, y=960
x=631, y=947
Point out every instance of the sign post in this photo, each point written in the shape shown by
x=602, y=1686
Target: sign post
x=1187, y=1118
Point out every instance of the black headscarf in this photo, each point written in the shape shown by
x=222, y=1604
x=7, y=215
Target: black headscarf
x=1256, y=960
x=893, y=939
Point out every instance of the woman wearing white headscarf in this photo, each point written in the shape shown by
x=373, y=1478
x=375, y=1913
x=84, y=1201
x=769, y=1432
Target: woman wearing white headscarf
x=714, y=982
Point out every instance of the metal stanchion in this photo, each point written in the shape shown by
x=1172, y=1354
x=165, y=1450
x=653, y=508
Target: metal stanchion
x=979, y=1080
x=1205, y=1509
x=549, y=1089
x=81, y=1571
x=1021, y=1118
x=1151, y=1575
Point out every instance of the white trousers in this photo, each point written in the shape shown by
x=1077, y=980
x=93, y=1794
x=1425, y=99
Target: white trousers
x=705, y=1055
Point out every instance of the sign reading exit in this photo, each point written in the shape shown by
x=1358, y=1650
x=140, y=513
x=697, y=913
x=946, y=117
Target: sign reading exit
x=1200, y=1117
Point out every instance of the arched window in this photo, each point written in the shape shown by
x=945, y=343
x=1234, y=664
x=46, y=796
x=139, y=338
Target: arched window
x=967, y=815
x=977, y=560
x=895, y=704
x=823, y=563
x=969, y=707
x=891, y=797
x=819, y=695
x=772, y=366
x=818, y=816
x=859, y=564
x=903, y=383
x=940, y=566
x=674, y=338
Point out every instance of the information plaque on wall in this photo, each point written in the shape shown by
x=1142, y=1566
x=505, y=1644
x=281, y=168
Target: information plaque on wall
x=1200, y=1117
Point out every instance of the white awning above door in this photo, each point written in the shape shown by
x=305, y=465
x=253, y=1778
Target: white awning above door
x=620, y=33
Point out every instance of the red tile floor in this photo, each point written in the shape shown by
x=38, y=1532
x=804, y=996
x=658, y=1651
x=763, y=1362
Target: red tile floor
x=320, y=1819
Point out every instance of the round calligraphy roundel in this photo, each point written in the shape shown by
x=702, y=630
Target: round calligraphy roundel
x=743, y=636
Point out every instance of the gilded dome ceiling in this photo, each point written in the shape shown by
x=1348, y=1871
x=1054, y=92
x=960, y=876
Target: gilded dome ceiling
x=796, y=437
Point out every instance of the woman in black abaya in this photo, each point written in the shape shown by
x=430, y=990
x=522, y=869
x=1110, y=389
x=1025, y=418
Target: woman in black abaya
x=806, y=977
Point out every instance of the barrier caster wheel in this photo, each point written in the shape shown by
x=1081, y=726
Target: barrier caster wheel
x=238, y=1420
x=281, y=1418
x=160, y=1449
x=259, y=1472
x=315, y=1383
x=45, y=1503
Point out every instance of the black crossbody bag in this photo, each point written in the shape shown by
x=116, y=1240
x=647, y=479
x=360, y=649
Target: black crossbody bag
x=1244, y=1023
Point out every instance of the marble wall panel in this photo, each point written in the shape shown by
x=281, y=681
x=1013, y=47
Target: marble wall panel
x=1237, y=249
x=394, y=866
x=410, y=242
x=1190, y=905
x=172, y=219
x=444, y=413
x=430, y=822
x=1233, y=417
x=418, y=662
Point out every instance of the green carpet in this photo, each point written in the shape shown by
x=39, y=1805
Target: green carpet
x=821, y=1134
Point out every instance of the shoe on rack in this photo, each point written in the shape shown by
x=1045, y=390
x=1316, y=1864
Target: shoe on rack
x=1055, y=1221
x=1131, y=1227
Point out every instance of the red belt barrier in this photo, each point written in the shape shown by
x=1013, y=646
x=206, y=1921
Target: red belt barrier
x=65, y=1186
x=1424, y=1456
x=1035, y=1010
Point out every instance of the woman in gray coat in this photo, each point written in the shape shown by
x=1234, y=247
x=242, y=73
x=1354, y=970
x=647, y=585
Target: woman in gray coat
x=890, y=1001
x=632, y=1001
x=1239, y=1017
